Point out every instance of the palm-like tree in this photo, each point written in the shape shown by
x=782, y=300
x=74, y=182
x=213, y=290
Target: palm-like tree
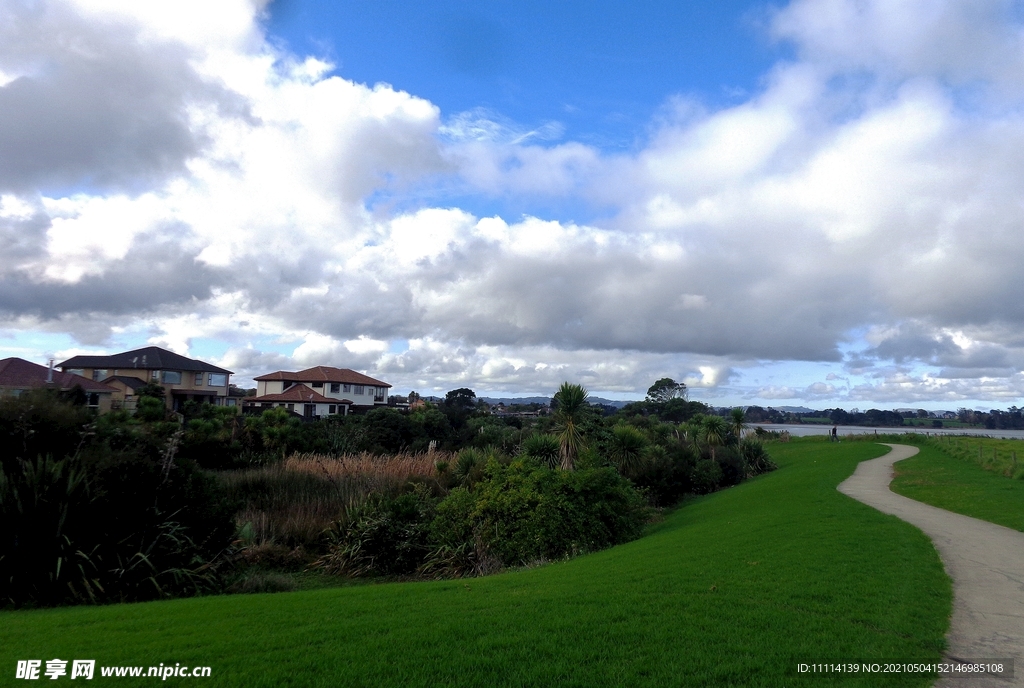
x=736, y=424
x=713, y=432
x=627, y=449
x=572, y=399
x=544, y=447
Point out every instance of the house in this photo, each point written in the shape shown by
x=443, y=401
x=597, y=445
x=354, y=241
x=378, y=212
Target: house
x=183, y=379
x=18, y=376
x=319, y=391
x=127, y=395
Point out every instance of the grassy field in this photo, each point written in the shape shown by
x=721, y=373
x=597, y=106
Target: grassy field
x=732, y=589
x=949, y=474
x=994, y=455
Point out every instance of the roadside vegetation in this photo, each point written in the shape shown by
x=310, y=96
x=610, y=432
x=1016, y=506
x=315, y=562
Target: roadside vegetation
x=127, y=508
x=731, y=588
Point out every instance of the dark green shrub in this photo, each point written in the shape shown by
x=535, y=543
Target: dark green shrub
x=730, y=461
x=150, y=409
x=385, y=537
x=755, y=458
x=706, y=476
x=522, y=513
x=209, y=437
x=117, y=518
x=40, y=424
x=44, y=507
x=543, y=447
x=666, y=475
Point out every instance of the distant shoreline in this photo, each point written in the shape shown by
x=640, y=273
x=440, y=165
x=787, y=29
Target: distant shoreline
x=809, y=429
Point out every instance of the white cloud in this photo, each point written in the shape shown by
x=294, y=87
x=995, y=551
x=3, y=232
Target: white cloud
x=230, y=182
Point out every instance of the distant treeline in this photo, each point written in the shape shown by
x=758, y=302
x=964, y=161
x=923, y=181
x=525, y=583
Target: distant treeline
x=871, y=417
x=995, y=419
x=1011, y=419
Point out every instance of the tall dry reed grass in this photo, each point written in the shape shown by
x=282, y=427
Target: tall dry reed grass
x=290, y=504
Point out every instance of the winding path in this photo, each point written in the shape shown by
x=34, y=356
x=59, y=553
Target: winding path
x=985, y=561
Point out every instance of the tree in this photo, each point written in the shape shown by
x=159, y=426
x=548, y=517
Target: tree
x=713, y=432
x=152, y=390
x=458, y=405
x=736, y=424
x=571, y=400
x=461, y=399
x=626, y=449
x=666, y=389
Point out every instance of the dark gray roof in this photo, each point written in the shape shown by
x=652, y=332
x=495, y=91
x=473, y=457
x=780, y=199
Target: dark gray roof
x=148, y=358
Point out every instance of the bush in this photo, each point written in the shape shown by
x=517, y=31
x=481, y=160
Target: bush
x=522, y=513
x=40, y=424
x=755, y=457
x=543, y=447
x=385, y=537
x=114, y=518
x=730, y=463
x=667, y=475
x=707, y=476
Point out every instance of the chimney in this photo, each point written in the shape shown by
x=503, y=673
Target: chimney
x=49, y=373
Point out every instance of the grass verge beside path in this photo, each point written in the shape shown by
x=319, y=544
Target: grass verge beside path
x=732, y=589
x=960, y=485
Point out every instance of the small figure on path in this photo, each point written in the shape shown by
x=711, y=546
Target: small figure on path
x=835, y=434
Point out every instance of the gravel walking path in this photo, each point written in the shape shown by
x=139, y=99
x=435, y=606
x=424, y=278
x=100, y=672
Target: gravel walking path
x=985, y=561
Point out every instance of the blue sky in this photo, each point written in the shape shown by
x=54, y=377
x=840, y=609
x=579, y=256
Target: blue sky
x=809, y=202
x=601, y=69
x=595, y=72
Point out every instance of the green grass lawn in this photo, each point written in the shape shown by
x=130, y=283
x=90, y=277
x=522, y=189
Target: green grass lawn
x=962, y=485
x=732, y=589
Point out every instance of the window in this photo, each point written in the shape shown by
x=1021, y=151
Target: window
x=199, y=379
x=156, y=375
x=359, y=389
x=76, y=371
x=218, y=380
x=318, y=385
x=93, y=400
x=332, y=409
x=291, y=407
x=99, y=374
x=335, y=388
x=171, y=377
x=348, y=388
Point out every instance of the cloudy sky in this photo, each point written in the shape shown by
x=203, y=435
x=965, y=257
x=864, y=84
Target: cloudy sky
x=818, y=202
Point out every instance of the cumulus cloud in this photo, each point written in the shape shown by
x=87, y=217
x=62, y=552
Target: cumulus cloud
x=862, y=209
x=91, y=99
x=957, y=40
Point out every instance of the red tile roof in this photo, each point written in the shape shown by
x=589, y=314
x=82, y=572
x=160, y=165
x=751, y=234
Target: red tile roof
x=324, y=374
x=19, y=373
x=299, y=394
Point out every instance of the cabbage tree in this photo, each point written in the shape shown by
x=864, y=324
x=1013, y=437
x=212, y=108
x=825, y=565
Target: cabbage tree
x=572, y=401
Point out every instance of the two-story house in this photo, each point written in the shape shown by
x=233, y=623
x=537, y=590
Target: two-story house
x=319, y=391
x=183, y=379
